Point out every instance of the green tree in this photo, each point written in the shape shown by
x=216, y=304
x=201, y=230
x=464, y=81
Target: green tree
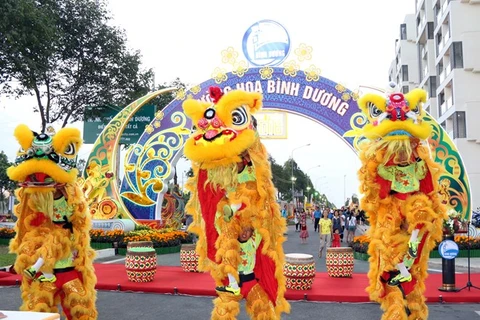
x=66, y=54
x=5, y=183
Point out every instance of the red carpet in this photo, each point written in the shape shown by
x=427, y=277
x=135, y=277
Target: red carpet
x=173, y=280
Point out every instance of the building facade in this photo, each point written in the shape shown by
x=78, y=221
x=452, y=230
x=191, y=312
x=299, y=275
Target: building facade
x=439, y=50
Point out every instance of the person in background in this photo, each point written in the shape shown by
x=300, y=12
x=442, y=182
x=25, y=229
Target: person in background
x=303, y=226
x=351, y=227
x=316, y=215
x=336, y=239
x=336, y=220
x=296, y=219
x=325, y=225
x=285, y=212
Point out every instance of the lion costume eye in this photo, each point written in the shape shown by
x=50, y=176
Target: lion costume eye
x=373, y=110
x=70, y=151
x=239, y=116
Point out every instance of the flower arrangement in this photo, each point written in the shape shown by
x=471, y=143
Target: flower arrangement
x=360, y=244
x=455, y=223
x=7, y=233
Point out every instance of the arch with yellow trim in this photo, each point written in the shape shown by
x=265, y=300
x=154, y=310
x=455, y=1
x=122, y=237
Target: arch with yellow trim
x=149, y=163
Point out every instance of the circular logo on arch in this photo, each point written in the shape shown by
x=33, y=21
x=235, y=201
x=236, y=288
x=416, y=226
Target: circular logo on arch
x=266, y=43
x=448, y=249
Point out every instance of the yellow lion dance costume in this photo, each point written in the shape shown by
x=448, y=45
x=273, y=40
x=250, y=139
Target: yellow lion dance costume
x=399, y=180
x=232, y=191
x=52, y=239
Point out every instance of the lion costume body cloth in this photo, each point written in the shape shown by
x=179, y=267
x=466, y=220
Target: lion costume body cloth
x=226, y=138
x=399, y=181
x=55, y=229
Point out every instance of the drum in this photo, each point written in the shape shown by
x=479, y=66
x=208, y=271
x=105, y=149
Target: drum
x=141, y=264
x=339, y=262
x=189, y=258
x=299, y=270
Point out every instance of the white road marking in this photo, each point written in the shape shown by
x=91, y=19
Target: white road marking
x=477, y=312
x=113, y=261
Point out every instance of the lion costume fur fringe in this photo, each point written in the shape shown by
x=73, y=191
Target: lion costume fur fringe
x=387, y=215
x=36, y=233
x=218, y=159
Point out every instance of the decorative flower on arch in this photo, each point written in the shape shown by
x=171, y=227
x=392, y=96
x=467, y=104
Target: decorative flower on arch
x=304, y=52
x=240, y=68
x=312, y=73
x=266, y=73
x=229, y=55
x=291, y=68
x=219, y=75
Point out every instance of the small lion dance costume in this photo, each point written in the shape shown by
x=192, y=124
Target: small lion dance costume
x=52, y=239
x=231, y=191
x=399, y=180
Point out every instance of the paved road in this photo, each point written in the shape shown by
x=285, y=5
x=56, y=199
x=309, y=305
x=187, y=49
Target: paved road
x=113, y=305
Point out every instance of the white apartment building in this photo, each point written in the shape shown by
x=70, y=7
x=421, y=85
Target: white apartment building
x=446, y=34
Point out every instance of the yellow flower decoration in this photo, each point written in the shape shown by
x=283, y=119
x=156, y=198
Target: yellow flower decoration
x=345, y=97
x=149, y=129
x=159, y=115
x=304, y=52
x=355, y=95
x=196, y=89
x=229, y=55
x=312, y=73
x=340, y=88
x=291, y=68
x=157, y=124
x=266, y=73
x=240, y=68
x=180, y=94
x=219, y=75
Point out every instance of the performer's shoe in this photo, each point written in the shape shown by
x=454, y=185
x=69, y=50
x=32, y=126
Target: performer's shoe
x=30, y=273
x=229, y=289
x=42, y=278
x=413, y=248
x=399, y=279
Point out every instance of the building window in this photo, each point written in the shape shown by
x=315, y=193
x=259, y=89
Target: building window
x=403, y=31
x=404, y=72
x=459, y=125
x=432, y=90
x=405, y=89
x=430, y=29
x=441, y=101
x=457, y=56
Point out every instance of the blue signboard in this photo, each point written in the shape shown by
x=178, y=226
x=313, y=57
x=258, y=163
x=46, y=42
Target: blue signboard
x=448, y=249
x=266, y=43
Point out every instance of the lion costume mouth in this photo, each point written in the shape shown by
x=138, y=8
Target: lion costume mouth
x=38, y=179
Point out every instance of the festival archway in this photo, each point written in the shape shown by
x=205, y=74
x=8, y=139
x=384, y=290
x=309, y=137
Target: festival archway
x=149, y=163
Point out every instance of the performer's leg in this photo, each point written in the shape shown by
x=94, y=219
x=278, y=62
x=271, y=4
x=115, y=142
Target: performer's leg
x=38, y=296
x=226, y=306
x=258, y=306
x=403, y=276
x=416, y=305
x=394, y=305
x=78, y=304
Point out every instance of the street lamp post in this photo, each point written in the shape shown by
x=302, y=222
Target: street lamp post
x=293, y=178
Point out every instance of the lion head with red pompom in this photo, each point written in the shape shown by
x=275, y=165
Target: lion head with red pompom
x=224, y=128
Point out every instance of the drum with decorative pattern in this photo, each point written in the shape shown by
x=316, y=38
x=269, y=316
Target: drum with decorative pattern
x=189, y=258
x=339, y=262
x=299, y=270
x=139, y=244
x=141, y=264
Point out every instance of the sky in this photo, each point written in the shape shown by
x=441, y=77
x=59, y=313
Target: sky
x=353, y=44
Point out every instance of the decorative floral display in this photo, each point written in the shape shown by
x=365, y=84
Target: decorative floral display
x=360, y=243
x=455, y=223
x=166, y=237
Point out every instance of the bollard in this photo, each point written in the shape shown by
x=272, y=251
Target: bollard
x=448, y=271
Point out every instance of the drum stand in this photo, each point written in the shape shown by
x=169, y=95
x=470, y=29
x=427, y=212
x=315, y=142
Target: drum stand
x=469, y=283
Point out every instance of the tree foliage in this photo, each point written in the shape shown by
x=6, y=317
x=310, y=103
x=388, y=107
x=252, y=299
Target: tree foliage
x=5, y=183
x=65, y=53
